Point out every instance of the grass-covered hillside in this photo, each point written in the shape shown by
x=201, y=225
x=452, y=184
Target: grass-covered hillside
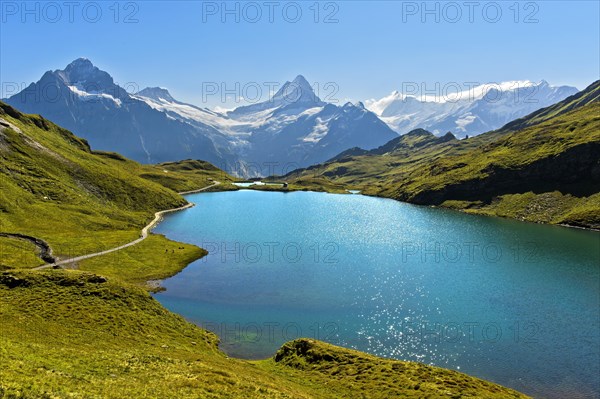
x=68, y=334
x=543, y=168
x=55, y=188
x=96, y=332
x=187, y=175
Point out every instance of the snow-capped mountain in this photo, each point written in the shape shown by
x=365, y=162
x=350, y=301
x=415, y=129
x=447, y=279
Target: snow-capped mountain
x=85, y=100
x=295, y=94
x=471, y=112
x=294, y=128
x=161, y=100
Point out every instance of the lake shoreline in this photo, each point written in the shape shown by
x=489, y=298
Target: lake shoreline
x=268, y=188
x=210, y=213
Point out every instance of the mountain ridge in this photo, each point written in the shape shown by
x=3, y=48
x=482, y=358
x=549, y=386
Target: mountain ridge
x=85, y=100
x=294, y=128
x=543, y=168
x=468, y=113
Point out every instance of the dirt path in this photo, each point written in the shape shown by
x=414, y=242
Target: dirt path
x=45, y=250
x=145, y=231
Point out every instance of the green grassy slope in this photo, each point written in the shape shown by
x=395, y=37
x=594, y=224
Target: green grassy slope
x=542, y=168
x=589, y=95
x=186, y=175
x=72, y=334
x=155, y=258
x=54, y=187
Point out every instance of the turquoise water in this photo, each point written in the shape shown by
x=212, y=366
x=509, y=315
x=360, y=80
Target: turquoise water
x=511, y=302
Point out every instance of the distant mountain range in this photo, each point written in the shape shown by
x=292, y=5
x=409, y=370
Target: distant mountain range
x=293, y=129
x=468, y=113
x=544, y=167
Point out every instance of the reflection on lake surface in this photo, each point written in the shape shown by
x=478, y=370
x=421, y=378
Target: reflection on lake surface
x=511, y=302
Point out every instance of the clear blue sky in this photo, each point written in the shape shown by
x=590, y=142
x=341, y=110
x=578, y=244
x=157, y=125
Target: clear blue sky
x=371, y=50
